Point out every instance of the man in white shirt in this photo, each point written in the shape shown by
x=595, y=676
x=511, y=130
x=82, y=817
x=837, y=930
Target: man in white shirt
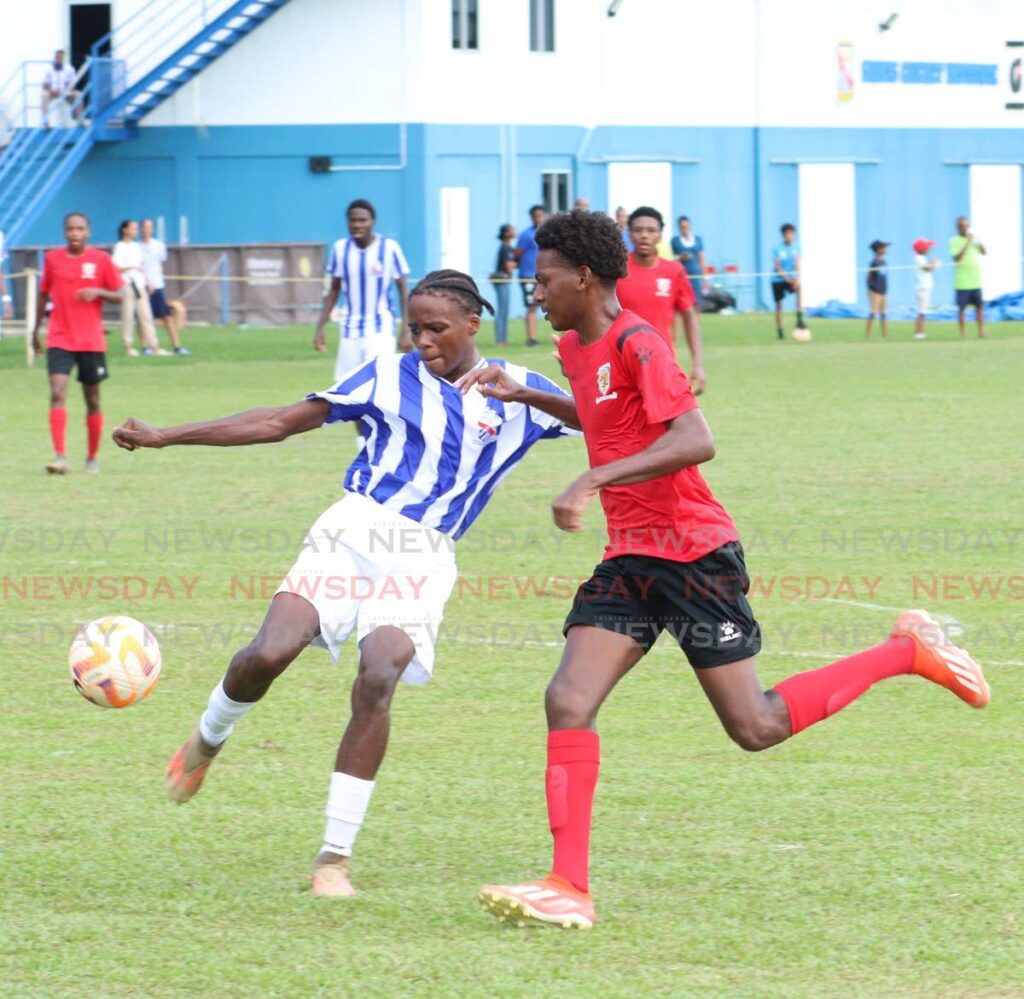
x=154, y=253
x=59, y=85
x=6, y=310
x=366, y=265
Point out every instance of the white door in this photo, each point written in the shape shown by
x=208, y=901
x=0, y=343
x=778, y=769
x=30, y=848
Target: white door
x=828, y=232
x=455, y=228
x=631, y=185
x=995, y=222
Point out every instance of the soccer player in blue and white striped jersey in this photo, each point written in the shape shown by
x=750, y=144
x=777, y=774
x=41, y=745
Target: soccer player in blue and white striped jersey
x=364, y=266
x=380, y=561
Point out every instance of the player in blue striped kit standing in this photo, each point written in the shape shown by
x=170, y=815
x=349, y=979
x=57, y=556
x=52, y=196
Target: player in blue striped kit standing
x=364, y=266
x=381, y=560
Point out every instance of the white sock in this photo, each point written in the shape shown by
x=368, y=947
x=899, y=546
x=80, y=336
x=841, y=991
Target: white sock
x=347, y=802
x=220, y=716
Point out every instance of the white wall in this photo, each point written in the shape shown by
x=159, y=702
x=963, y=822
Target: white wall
x=659, y=62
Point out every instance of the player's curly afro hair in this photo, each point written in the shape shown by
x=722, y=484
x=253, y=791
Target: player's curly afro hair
x=586, y=239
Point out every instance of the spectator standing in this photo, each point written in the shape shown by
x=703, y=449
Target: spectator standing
x=135, y=304
x=59, y=85
x=504, y=268
x=622, y=221
x=688, y=249
x=967, y=252
x=923, y=282
x=583, y=204
x=77, y=280
x=786, y=276
x=526, y=258
x=365, y=266
x=6, y=309
x=878, y=288
x=154, y=253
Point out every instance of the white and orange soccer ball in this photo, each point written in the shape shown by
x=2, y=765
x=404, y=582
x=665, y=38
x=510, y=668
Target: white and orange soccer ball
x=114, y=661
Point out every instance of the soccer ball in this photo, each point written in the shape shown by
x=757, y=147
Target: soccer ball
x=114, y=661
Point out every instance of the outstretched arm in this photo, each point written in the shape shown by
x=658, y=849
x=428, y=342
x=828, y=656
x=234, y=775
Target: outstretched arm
x=496, y=383
x=691, y=327
x=686, y=442
x=257, y=426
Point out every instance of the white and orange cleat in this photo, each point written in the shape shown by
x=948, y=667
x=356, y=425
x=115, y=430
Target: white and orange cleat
x=330, y=877
x=937, y=659
x=552, y=901
x=187, y=769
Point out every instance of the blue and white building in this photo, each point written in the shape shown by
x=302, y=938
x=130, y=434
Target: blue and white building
x=454, y=116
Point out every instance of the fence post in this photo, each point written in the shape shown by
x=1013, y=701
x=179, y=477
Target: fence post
x=224, y=290
x=31, y=311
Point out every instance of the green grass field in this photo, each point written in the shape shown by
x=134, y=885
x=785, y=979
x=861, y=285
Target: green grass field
x=875, y=855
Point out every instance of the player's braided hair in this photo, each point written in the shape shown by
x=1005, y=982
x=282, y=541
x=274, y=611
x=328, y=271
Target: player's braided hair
x=586, y=239
x=457, y=286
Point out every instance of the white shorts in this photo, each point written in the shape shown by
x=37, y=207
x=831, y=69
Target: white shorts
x=363, y=566
x=352, y=351
x=924, y=300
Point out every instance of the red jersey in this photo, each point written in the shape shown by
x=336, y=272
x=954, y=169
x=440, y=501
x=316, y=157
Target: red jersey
x=626, y=386
x=657, y=293
x=74, y=324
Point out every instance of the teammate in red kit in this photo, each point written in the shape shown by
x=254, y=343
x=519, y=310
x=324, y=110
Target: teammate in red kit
x=673, y=563
x=657, y=289
x=77, y=280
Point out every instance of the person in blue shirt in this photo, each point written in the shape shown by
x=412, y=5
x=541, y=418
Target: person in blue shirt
x=688, y=249
x=786, y=276
x=526, y=257
x=878, y=287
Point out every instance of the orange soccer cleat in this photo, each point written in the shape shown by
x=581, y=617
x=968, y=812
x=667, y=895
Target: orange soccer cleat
x=330, y=877
x=552, y=901
x=188, y=766
x=937, y=659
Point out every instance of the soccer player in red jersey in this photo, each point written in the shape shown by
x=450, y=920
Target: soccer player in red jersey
x=77, y=280
x=673, y=563
x=657, y=289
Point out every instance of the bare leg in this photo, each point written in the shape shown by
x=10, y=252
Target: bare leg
x=754, y=718
x=531, y=324
x=867, y=328
x=883, y=319
x=961, y=321
x=383, y=656
x=980, y=313
x=290, y=625
x=92, y=398
x=593, y=662
x=919, y=325
x=172, y=332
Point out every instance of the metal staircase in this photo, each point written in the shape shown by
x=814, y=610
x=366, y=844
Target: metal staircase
x=129, y=73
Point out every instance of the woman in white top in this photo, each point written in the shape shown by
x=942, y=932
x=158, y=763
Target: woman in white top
x=135, y=304
x=923, y=282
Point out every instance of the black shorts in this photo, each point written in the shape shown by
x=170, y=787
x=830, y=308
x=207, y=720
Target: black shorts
x=529, y=286
x=158, y=304
x=780, y=289
x=968, y=296
x=92, y=364
x=702, y=604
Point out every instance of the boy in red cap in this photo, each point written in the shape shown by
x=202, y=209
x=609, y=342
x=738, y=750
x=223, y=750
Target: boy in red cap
x=923, y=282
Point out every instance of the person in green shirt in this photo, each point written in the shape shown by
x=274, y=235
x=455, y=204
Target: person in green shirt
x=966, y=253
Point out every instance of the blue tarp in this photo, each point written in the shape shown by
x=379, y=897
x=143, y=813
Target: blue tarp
x=1006, y=307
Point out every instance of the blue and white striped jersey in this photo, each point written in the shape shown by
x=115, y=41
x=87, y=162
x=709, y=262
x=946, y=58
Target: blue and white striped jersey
x=366, y=279
x=432, y=454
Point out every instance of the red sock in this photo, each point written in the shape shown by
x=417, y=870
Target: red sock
x=94, y=426
x=58, y=421
x=573, y=760
x=812, y=696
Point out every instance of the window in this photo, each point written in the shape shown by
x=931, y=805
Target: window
x=555, y=192
x=542, y=25
x=464, y=24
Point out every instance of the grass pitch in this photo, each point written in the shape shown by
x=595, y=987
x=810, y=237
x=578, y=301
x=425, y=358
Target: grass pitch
x=875, y=855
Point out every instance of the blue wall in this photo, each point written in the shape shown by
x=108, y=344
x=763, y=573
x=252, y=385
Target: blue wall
x=253, y=184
